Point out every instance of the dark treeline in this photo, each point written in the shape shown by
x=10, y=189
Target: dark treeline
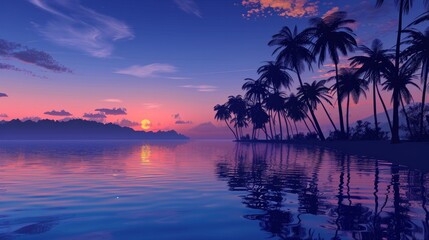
x=270, y=106
x=76, y=129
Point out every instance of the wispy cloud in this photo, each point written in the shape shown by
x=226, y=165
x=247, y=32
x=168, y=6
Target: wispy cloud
x=151, y=105
x=16, y=51
x=113, y=111
x=3, y=95
x=202, y=88
x=127, y=123
x=284, y=8
x=148, y=71
x=182, y=122
x=3, y=115
x=330, y=11
x=62, y=113
x=112, y=100
x=76, y=26
x=189, y=6
x=95, y=116
x=179, y=120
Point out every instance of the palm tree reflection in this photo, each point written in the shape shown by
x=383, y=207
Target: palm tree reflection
x=293, y=190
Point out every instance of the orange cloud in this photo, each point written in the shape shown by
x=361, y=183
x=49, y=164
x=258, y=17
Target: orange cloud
x=284, y=8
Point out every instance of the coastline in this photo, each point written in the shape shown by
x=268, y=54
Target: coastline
x=411, y=154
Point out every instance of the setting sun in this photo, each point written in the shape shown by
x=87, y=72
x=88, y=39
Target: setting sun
x=145, y=124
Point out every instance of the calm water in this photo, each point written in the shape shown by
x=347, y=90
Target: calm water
x=204, y=190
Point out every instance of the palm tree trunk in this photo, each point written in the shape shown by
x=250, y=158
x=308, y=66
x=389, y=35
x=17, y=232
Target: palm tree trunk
x=374, y=101
x=318, y=129
x=271, y=127
x=385, y=109
x=396, y=95
x=280, y=124
x=348, y=115
x=265, y=131
x=312, y=123
x=287, y=126
x=305, y=122
x=231, y=129
x=406, y=118
x=340, y=107
x=329, y=116
x=296, y=128
x=422, y=110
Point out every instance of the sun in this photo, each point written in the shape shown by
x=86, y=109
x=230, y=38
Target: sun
x=145, y=124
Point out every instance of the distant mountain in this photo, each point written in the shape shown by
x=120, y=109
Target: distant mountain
x=209, y=131
x=77, y=129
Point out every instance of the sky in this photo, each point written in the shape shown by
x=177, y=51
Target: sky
x=166, y=61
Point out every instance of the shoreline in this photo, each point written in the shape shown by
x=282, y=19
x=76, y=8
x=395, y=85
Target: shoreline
x=411, y=154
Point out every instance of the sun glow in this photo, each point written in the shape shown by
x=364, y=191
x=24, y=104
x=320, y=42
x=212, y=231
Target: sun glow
x=145, y=124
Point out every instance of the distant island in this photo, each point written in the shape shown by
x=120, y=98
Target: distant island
x=77, y=129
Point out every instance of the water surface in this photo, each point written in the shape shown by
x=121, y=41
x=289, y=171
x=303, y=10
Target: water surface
x=204, y=190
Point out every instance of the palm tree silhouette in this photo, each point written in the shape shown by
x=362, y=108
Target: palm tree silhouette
x=315, y=93
x=373, y=65
x=404, y=8
x=259, y=117
x=256, y=90
x=274, y=75
x=398, y=83
x=275, y=102
x=350, y=84
x=293, y=53
x=224, y=114
x=237, y=106
x=332, y=35
x=418, y=54
x=296, y=109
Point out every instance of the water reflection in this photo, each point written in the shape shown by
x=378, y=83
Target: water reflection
x=308, y=193
x=191, y=190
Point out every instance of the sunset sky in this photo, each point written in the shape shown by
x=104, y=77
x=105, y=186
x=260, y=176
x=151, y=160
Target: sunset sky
x=168, y=61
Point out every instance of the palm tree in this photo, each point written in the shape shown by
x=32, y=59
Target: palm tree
x=398, y=83
x=373, y=64
x=350, y=84
x=275, y=102
x=404, y=8
x=418, y=54
x=293, y=53
x=332, y=35
x=275, y=76
x=224, y=114
x=259, y=117
x=256, y=90
x=316, y=93
x=296, y=109
x=237, y=105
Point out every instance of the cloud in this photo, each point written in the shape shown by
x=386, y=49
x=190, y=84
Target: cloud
x=148, y=71
x=3, y=95
x=113, y=111
x=151, y=105
x=61, y=113
x=95, y=116
x=201, y=88
x=112, y=100
x=330, y=11
x=78, y=27
x=16, y=51
x=182, y=122
x=127, y=123
x=3, y=115
x=179, y=120
x=284, y=8
x=189, y=6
